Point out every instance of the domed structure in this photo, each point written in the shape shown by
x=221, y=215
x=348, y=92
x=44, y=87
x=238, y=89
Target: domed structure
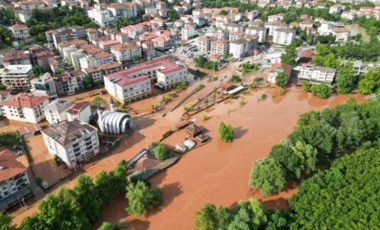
x=112, y=121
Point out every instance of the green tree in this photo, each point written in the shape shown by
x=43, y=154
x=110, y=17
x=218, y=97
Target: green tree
x=226, y=133
x=105, y=187
x=281, y=80
x=306, y=86
x=161, y=152
x=346, y=79
x=289, y=57
x=291, y=162
x=370, y=82
x=207, y=218
x=308, y=155
x=323, y=90
x=98, y=100
x=119, y=23
x=108, y=226
x=90, y=205
x=268, y=175
x=223, y=12
x=140, y=198
x=172, y=15
x=6, y=222
x=88, y=82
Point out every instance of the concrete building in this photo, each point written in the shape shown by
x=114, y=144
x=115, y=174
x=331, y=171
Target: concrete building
x=20, y=31
x=44, y=85
x=123, y=10
x=219, y=47
x=238, y=48
x=16, y=57
x=42, y=56
x=126, y=52
x=74, y=142
x=327, y=27
x=341, y=35
x=187, y=32
x=56, y=111
x=14, y=181
x=272, y=26
x=17, y=76
x=65, y=34
x=113, y=121
x=101, y=16
x=24, y=107
x=259, y=31
x=97, y=72
x=204, y=44
x=79, y=111
x=316, y=74
x=283, y=36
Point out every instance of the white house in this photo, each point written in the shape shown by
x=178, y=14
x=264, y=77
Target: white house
x=56, y=111
x=74, y=142
x=316, y=74
x=24, y=107
x=101, y=16
x=20, y=31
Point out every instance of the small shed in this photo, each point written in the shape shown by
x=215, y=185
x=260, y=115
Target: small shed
x=182, y=124
x=194, y=130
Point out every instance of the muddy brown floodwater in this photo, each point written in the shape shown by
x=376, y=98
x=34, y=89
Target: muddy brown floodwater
x=216, y=172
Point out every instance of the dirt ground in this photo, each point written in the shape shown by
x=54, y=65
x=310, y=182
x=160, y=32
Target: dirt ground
x=216, y=172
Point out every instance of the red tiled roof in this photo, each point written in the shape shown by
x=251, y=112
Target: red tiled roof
x=13, y=55
x=77, y=107
x=24, y=100
x=10, y=166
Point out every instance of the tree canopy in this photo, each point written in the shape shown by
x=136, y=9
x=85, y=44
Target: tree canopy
x=281, y=80
x=161, y=151
x=226, y=133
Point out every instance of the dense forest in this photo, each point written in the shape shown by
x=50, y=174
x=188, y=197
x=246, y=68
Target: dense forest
x=342, y=197
x=319, y=138
x=42, y=21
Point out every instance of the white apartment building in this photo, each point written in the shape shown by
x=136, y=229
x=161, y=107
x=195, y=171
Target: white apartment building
x=74, y=142
x=65, y=34
x=171, y=75
x=56, y=111
x=24, y=107
x=101, y=16
x=327, y=27
x=123, y=10
x=96, y=60
x=238, y=48
x=75, y=56
x=17, y=76
x=316, y=74
x=79, y=111
x=20, y=31
x=187, y=32
x=283, y=36
x=125, y=52
x=44, y=85
x=14, y=180
x=260, y=32
x=272, y=26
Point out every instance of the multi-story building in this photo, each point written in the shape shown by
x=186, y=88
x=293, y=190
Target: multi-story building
x=341, y=34
x=25, y=107
x=272, y=26
x=187, y=32
x=238, y=48
x=106, y=44
x=14, y=181
x=126, y=52
x=42, y=56
x=204, y=44
x=327, y=27
x=56, y=111
x=283, y=36
x=316, y=74
x=75, y=43
x=101, y=16
x=80, y=111
x=17, y=76
x=16, y=57
x=97, y=72
x=74, y=142
x=44, y=85
x=260, y=31
x=74, y=57
x=20, y=31
x=219, y=47
x=65, y=34
x=171, y=75
x=123, y=10
x=92, y=34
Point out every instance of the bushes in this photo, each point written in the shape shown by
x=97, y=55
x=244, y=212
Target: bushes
x=323, y=91
x=140, y=198
x=226, y=133
x=161, y=152
x=203, y=62
x=319, y=135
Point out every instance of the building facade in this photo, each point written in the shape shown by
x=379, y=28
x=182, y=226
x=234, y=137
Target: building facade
x=44, y=85
x=74, y=142
x=316, y=74
x=17, y=76
x=56, y=111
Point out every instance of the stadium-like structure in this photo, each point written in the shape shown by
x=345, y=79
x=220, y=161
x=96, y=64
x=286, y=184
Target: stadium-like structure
x=112, y=121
